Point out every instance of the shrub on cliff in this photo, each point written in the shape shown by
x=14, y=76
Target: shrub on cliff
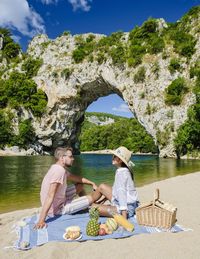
x=6, y=130
x=26, y=134
x=175, y=91
x=31, y=66
x=19, y=91
x=188, y=135
x=10, y=48
x=174, y=65
x=139, y=75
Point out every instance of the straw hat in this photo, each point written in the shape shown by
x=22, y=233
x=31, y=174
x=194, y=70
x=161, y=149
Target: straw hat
x=125, y=155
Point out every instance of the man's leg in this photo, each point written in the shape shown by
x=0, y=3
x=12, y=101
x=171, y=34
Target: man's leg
x=76, y=205
x=81, y=203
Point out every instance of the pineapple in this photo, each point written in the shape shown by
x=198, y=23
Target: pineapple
x=94, y=213
x=93, y=227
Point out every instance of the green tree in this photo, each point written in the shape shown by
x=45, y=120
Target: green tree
x=175, y=91
x=31, y=66
x=5, y=129
x=26, y=134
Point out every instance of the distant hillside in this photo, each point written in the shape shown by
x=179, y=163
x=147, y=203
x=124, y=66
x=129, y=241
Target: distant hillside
x=101, y=118
x=108, y=131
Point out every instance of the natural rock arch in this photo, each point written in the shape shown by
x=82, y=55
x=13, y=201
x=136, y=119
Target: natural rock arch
x=68, y=98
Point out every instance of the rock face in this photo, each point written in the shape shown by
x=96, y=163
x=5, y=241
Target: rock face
x=99, y=121
x=68, y=98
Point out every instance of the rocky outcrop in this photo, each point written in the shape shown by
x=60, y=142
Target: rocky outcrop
x=100, y=121
x=69, y=97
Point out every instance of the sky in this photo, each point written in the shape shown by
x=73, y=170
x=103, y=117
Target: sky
x=27, y=18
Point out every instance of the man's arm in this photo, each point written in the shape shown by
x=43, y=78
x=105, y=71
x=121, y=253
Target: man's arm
x=47, y=204
x=78, y=179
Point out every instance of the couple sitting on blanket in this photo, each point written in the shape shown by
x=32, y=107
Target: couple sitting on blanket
x=58, y=199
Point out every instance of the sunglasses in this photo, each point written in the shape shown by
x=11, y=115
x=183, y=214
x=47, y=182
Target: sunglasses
x=69, y=156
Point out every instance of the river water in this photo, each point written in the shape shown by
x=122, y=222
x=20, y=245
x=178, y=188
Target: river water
x=21, y=177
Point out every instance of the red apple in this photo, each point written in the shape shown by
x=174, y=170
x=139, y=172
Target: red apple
x=102, y=232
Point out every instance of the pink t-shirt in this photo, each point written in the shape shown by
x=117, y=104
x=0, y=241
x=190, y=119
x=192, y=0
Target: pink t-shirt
x=56, y=174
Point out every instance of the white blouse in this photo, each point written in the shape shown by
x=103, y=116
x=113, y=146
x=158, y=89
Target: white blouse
x=123, y=190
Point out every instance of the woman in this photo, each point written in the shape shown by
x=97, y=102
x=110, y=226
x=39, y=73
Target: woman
x=122, y=195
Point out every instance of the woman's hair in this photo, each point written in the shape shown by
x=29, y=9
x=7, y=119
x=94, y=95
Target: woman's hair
x=61, y=151
x=131, y=171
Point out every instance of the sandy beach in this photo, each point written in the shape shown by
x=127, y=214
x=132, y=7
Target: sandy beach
x=181, y=191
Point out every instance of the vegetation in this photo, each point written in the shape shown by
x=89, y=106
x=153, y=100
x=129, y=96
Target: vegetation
x=123, y=131
x=26, y=134
x=174, y=65
x=66, y=33
x=188, y=136
x=31, y=66
x=10, y=49
x=142, y=40
x=19, y=91
x=163, y=136
x=140, y=75
x=66, y=73
x=175, y=91
x=156, y=69
x=6, y=131
x=85, y=48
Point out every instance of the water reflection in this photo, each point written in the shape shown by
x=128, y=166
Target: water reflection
x=21, y=177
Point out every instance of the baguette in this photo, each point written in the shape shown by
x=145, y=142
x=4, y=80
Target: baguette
x=73, y=228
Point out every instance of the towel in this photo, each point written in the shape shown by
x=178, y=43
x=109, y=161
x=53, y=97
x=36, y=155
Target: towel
x=28, y=237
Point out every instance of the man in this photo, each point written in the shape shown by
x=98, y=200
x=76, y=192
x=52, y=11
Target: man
x=55, y=197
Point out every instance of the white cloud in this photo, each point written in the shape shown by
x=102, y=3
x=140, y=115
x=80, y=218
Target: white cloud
x=76, y=4
x=122, y=108
x=20, y=16
x=80, y=4
x=16, y=38
x=49, y=1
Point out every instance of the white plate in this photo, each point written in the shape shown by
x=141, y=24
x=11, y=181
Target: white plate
x=69, y=239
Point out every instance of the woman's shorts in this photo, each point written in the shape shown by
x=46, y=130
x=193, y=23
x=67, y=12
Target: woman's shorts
x=130, y=210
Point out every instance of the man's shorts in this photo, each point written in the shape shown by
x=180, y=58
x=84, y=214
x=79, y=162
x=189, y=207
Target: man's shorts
x=74, y=205
x=70, y=193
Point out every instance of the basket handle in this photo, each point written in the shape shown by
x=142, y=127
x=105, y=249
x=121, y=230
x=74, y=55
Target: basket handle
x=156, y=196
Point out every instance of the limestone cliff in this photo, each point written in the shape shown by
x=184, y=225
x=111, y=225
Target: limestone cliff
x=72, y=85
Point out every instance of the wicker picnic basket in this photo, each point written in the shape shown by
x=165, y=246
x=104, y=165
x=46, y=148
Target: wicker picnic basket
x=156, y=213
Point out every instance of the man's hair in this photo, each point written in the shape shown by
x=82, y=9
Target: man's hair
x=61, y=151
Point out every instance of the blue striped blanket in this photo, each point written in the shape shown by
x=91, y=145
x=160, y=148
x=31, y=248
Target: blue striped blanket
x=57, y=225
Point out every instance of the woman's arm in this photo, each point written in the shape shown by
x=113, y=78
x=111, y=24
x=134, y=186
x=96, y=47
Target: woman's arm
x=47, y=204
x=124, y=214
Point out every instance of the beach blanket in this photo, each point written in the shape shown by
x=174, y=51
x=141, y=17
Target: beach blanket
x=28, y=237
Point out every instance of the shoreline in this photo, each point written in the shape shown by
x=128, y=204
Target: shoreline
x=182, y=245
x=31, y=152
x=107, y=151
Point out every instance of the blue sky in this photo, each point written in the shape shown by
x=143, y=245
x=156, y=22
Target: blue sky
x=27, y=18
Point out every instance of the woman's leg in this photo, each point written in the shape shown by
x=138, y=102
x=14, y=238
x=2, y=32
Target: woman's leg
x=105, y=210
x=105, y=190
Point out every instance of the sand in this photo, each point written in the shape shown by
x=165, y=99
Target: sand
x=181, y=191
